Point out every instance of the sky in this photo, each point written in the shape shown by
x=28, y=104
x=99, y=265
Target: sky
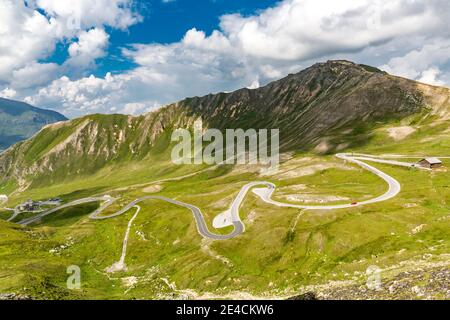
x=131, y=56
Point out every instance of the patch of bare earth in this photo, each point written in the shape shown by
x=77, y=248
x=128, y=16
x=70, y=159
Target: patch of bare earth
x=153, y=188
x=322, y=147
x=312, y=198
x=400, y=133
x=129, y=281
x=251, y=217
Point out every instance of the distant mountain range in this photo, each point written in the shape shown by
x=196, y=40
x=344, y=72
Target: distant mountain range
x=327, y=108
x=19, y=121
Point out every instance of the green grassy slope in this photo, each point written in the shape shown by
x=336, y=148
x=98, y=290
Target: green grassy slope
x=282, y=252
x=313, y=108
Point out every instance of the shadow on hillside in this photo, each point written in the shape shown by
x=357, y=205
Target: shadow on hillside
x=83, y=193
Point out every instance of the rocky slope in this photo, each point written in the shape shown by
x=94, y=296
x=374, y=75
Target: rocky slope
x=314, y=103
x=19, y=121
x=328, y=107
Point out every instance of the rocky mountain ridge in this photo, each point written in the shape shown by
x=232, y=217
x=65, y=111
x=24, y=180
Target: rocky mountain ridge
x=334, y=104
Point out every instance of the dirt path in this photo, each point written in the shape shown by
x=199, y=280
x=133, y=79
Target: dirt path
x=120, y=265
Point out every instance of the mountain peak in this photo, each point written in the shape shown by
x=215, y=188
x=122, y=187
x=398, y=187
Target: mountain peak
x=342, y=65
x=320, y=103
x=338, y=62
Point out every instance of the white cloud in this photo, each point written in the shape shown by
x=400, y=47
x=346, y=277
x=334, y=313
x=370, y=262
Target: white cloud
x=255, y=85
x=25, y=36
x=91, y=13
x=34, y=74
x=304, y=29
x=122, y=93
x=252, y=50
x=135, y=108
x=8, y=93
x=406, y=37
x=430, y=76
x=421, y=63
x=30, y=31
x=90, y=46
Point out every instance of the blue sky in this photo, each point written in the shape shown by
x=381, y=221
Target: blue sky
x=132, y=56
x=165, y=22
x=168, y=22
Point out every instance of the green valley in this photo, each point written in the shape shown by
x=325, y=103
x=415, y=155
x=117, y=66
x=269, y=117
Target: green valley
x=330, y=108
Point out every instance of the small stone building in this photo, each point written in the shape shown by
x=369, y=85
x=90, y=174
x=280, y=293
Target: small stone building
x=431, y=163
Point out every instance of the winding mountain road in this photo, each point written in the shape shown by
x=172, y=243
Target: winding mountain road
x=265, y=193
